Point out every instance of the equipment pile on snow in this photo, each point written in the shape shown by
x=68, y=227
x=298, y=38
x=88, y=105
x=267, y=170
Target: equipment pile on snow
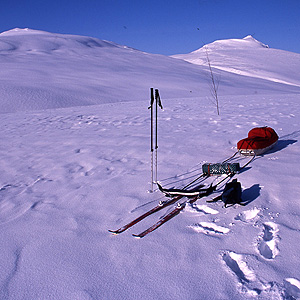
x=259, y=140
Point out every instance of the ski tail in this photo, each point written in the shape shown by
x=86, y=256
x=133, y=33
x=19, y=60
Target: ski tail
x=155, y=209
x=162, y=221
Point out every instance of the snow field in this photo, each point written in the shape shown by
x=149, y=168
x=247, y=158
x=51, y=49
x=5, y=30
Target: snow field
x=87, y=170
x=75, y=161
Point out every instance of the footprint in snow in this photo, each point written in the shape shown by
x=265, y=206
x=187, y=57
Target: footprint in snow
x=209, y=228
x=201, y=208
x=292, y=287
x=250, y=285
x=268, y=244
x=248, y=215
x=235, y=262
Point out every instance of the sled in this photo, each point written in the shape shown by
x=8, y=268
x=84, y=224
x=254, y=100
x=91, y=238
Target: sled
x=259, y=141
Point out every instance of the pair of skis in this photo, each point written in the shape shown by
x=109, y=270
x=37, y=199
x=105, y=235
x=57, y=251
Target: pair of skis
x=155, y=209
x=176, y=211
x=169, y=216
x=158, y=207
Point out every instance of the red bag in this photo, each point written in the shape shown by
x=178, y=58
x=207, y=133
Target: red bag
x=259, y=140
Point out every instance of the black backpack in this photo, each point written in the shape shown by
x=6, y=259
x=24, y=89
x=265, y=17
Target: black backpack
x=231, y=195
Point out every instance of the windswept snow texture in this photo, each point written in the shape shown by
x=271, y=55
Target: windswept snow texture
x=71, y=171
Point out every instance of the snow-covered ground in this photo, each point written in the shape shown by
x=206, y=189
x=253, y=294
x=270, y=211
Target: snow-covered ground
x=75, y=162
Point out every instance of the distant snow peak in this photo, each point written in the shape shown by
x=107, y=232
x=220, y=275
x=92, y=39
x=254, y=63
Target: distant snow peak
x=23, y=31
x=32, y=40
x=251, y=39
x=228, y=44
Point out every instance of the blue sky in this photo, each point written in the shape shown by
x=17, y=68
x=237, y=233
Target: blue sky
x=161, y=26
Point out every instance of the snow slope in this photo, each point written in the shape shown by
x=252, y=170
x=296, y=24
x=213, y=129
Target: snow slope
x=70, y=174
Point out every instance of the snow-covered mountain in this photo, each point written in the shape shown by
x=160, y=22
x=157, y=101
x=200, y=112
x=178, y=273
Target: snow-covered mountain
x=249, y=57
x=45, y=70
x=80, y=164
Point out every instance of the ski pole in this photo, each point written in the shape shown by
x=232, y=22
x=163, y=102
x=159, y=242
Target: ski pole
x=158, y=103
x=151, y=134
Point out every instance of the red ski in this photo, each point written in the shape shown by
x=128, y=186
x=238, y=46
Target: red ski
x=169, y=216
x=163, y=220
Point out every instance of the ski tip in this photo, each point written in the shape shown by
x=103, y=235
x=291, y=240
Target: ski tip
x=159, y=186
